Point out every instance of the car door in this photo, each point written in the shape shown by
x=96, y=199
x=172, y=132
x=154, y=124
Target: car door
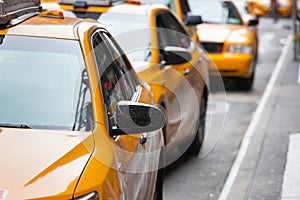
x=119, y=82
x=182, y=81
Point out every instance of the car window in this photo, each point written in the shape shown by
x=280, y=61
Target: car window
x=216, y=11
x=241, y=5
x=117, y=78
x=185, y=9
x=127, y=77
x=43, y=83
x=172, y=6
x=133, y=36
x=170, y=31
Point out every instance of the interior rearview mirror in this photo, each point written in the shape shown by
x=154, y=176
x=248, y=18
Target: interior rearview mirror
x=136, y=118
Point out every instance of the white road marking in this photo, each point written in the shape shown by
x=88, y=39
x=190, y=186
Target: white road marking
x=254, y=122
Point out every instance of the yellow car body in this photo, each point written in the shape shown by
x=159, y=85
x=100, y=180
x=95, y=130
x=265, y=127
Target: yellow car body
x=228, y=63
x=230, y=43
x=172, y=83
x=248, y=18
x=58, y=160
x=263, y=7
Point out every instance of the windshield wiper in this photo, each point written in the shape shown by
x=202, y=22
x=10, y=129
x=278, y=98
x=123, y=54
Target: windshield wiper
x=11, y=125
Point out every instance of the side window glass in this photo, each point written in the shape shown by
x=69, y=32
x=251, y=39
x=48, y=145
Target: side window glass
x=115, y=77
x=233, y=14
x=172, y=6
x=111, y=90
x=170, y=31
x=127, y=78
x=184, y=8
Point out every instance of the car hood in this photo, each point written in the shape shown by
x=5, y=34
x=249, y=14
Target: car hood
x=40, y=163
x=221, y=33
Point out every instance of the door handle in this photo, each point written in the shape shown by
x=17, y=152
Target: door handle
x=186, y=71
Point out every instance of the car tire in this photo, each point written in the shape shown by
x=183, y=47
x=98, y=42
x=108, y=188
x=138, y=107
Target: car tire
x=196, y=145
x=247, y=83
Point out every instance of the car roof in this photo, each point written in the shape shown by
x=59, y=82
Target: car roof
x=141, y=9
x=45, y=26
x=136, y=9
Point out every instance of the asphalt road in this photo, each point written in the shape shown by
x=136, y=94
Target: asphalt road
x=229, y=115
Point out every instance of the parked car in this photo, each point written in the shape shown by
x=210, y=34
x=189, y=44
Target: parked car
x=76, y=122
x=228, y=40
x=248, y=17
x=182, y=10
x=263, y=7
x=166, y=58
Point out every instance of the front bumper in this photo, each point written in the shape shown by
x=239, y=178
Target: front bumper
x=232, y=65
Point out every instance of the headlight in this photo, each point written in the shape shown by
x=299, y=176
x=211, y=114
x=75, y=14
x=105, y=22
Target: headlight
x=240, y=48
x=91, y=196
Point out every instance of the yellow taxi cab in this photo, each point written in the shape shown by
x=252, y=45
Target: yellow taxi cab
x=166, y=58
x=263, y=7
x=248, y=17
x=182, y=9
x=76, y=122
x=228, y=40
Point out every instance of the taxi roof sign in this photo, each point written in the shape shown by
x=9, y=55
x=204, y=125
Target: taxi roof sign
x=11, y=9
x=91, y=2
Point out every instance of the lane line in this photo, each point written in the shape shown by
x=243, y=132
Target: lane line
x=254, y=122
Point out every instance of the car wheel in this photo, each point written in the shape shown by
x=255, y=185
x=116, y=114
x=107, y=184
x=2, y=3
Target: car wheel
x=196, y=145
x=246, y=83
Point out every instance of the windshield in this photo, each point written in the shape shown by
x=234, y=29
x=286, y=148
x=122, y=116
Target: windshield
x=41, y=82
x=133, y=36
x=216, y=11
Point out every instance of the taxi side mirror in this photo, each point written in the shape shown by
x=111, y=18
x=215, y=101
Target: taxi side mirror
x=253, y=22
x=193, y=20
x=175, y=55
x=136, y=118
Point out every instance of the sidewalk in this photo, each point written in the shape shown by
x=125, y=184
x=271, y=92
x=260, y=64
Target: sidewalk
x=291, y=177
x=260, y=171
x=291, y=183
x=277, y=174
